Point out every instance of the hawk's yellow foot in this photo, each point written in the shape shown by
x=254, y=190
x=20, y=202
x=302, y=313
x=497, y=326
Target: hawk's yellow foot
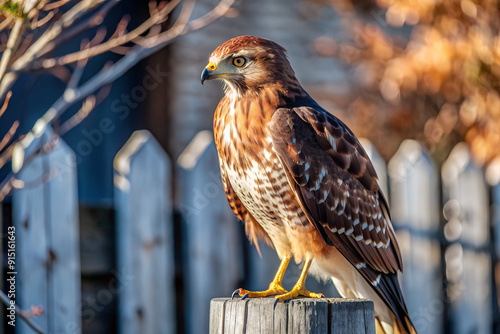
x=299, y=289
x=275, y=287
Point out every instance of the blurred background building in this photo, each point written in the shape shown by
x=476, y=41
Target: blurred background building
x=420, y=81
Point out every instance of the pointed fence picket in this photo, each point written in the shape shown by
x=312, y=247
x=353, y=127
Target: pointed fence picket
x=144, y=237
x=468, y=262
x=415, y=198
x=378, y=163
x=45, y=217
x=214, y=253
x=495, y=211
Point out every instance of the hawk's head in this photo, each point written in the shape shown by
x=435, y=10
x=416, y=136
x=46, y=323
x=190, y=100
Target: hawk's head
x=248, y=64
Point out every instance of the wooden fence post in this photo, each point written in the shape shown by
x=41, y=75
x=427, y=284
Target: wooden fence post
x=303, y=315
x=213, y=251
x=45, y=216
x=415, y=203
x=144, y=236
x=468, y=264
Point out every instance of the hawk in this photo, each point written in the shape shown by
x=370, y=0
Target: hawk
x=300, y=180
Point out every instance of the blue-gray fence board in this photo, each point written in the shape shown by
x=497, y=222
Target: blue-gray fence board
x=214, y=249
x=496, y=217
x=45, y=215
x=467, y=228
x=145, y=236
x=414, y=193
x=262, y=269
x=378, y=163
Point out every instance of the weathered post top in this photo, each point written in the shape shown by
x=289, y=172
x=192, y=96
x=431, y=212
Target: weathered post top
x=303, y=315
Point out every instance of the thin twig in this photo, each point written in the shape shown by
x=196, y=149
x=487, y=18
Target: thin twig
x=29, y=5
x=6, y=156
x=5, y=103
x=121, y=27
x=54, y=5
x=87, y=106
x=6, y=22
x=34, y=51
x=77, y=74
x=103, y=78
x=103, y=47
x=38, y=23
x=185, y=15
x=7, y=301
x=8, y=136
x=24, y=45
x=155, y=43
x=94, y=20
x=12, y=43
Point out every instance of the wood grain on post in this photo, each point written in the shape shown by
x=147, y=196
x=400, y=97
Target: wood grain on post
x=303, y=315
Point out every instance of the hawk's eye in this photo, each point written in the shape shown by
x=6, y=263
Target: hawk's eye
x=239, y=61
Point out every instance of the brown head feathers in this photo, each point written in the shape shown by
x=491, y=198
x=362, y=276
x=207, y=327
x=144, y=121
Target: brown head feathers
x=237, y=44
x=266, y=65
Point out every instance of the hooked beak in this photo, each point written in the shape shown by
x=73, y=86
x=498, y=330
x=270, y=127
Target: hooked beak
x=206, y=74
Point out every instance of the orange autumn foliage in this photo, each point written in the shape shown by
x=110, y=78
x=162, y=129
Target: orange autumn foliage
x=428, y=70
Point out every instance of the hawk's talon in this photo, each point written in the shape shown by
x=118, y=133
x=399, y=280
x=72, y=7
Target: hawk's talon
x=274, y=289
x=235, y=292
x=276, y=301
x=296, y=292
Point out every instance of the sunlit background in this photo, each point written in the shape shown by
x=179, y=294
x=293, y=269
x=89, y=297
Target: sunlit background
x=419, y=81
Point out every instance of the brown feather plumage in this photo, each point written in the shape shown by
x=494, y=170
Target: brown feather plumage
x=298, y=177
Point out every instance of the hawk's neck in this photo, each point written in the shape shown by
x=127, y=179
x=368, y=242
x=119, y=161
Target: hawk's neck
x=241, y=123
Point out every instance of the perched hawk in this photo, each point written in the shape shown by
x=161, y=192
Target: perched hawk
x=300, y=180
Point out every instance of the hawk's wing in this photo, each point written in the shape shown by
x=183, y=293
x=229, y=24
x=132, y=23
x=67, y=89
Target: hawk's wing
x=253, y=229
x=336, y=186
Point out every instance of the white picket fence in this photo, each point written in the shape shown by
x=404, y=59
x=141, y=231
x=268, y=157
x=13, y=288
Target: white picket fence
x=443, y=221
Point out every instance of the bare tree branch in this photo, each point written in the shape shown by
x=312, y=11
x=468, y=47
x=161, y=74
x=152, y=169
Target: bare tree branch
x=8, y=136
x=87, y=106
x=55, y=5
x=38, y=23
x=12, y=44
x=145, y=46
x=34, y=51
x=5, y=23
x=96, y=19
x=5, y=103
x=19, y=58
x=106, y=46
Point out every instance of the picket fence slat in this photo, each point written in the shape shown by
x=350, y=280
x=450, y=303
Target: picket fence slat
x=45, y=217
x=496, y=216
x=144, y=237
x=378, y=163
x=213, y=251
x=467, y=229
x=215, y=255
x=414, y=193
